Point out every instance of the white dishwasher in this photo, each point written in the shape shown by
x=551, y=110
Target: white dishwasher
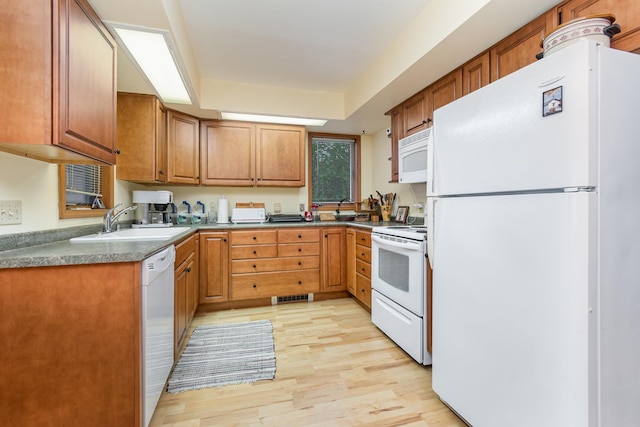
x=157, y=327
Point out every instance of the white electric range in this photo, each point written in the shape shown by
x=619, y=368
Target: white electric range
x=399, y=287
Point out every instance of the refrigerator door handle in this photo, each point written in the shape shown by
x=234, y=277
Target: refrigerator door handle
x=550, y=81
x=430, y=156
x=431, y=214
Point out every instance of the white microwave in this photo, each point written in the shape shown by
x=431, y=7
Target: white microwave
x=412, y=157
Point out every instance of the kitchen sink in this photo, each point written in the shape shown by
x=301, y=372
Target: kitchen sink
x=345, y=217
x=132, y=234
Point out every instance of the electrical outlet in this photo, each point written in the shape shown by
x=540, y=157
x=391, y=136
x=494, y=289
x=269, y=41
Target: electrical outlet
x=276, y=208
x=10, y=212
x=301, y=207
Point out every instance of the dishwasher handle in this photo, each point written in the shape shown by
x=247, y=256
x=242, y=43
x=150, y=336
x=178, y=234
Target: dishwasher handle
x=157, y=263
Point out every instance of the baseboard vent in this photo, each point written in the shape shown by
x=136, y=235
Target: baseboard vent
x=291, y=298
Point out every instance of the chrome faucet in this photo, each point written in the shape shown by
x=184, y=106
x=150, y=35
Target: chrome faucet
x=110, y=219
x=348, y=199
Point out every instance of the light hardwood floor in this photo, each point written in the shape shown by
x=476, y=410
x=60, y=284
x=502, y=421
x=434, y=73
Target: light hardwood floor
x=334, y=368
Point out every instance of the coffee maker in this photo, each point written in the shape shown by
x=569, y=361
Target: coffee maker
x=152, y=209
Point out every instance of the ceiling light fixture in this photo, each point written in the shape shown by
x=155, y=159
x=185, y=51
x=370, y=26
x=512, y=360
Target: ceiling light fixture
x=153, y=53
x=272, y=119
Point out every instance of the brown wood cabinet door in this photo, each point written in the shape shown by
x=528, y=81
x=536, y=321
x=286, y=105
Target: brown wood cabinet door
x=334, y=266
x=415, y=113
x=627, y=13
x=397, y=132
x=141, y=138
x=183, y=148
x=280, y=155
x=520, y=48
x=87, y=84
x=181, y=305
x=351, y=260
x=444, y=91
x=475, y=73
x=214, y=267
x=228, y=153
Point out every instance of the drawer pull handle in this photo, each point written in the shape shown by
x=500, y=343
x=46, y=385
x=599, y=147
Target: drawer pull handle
x=254, y=266
x=360, y=254
x=299, y=263
x=299, y=249
x=254, y=252
x=255, y=238
x=363, y=269
x=299, y=236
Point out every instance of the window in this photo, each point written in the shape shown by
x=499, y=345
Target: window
x=84, y=190
x=334, y=167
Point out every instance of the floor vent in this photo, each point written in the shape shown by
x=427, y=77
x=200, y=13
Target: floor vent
x=291, y=298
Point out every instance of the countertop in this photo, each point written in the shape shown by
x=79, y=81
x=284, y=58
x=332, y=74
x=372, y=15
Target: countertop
x=52, y=247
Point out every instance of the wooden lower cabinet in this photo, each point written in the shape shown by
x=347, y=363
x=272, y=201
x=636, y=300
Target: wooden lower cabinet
x=334, y=260
x=274, y=262
x=350, y=253
x=214, y=266
x=71, y=338
x=186, y=294
x=359, y=257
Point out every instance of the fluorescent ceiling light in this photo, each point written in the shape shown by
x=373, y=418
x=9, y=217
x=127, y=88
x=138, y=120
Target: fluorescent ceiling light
x=152, y=51
x=272, y=119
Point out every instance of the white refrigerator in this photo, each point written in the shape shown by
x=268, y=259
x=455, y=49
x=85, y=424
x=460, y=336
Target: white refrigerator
x=533, y=208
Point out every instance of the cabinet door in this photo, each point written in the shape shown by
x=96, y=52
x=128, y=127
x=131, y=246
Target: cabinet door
x=397, y=132
x=183, y=149
x=475, y=73
x=280, y=155
x=141, y=138
x=627, y=13
x=520, y=48
x=228, y=153
x=351, y=260
x=87, y=85
x=334, y=266
x=444, y=91
x=214, y=267
x=415, y=114
x=181, y=304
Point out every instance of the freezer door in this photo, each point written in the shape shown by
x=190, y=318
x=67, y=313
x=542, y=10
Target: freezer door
x=513, y=308
x=499, y=139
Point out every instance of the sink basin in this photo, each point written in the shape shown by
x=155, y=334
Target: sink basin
x=345, y=217
x=132, y=234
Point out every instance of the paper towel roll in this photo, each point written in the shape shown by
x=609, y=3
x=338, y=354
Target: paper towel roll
x=223, y=210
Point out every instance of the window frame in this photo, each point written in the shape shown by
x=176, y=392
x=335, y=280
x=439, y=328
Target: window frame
x=107, y=194
x=355, y=178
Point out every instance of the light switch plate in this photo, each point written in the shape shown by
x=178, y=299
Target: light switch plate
x=276, y=208
x=301, y=207
x=10, y=212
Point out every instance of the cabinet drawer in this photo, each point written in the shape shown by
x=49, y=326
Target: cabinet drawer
x=275, y=264
x=363, y=253
x=363, y=290
x=298, y=235
x=254, y=251
x=363, y=238
x=264, y=285
x=363, y=268
x=253, y=237
x=184, y=249
x=298, y=249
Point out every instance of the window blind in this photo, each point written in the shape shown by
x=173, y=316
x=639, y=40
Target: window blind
x=83, y=184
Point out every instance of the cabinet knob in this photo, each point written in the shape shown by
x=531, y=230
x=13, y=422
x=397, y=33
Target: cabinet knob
x=254, y=266
x=188, y=269
x=224, y=240
x=117, y=151
x=299, y=236
x=299, y=263
x=362, y=254
x=363, y=269
x=160, y=172
x=299, y=282
x=255, y=286
x=255, y=238
x=299, y=249
x=254, y=252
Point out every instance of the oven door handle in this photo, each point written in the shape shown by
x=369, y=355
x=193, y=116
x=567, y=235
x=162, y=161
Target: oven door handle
x=409, y=246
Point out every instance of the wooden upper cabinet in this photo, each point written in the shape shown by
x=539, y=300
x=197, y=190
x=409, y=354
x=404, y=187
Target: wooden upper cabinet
x=444, y=91
x=627, y=13
x=248, y=154
x=228, y=153
x=415, y=113
x=475, y=73
x=141, y=139
x=280, y=155
x=183, y=148
x=58, y=86
x=396, y=134
x=520, y=48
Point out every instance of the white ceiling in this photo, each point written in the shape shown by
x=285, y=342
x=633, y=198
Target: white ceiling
x=359, y=57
